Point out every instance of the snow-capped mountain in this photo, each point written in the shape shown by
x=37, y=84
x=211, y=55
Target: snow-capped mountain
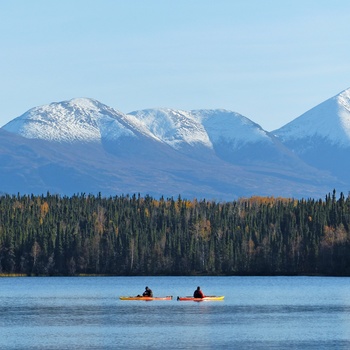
x=229, y=135
x=82, y=145
x=321, y=136
x=329, y=122
x=80, y=119
x=201, y=133
x=237, y=139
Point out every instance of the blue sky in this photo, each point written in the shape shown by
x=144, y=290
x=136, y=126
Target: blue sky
x=269, y=60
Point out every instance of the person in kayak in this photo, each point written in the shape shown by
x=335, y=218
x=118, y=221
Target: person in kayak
x=198, y=293
x=148, y=292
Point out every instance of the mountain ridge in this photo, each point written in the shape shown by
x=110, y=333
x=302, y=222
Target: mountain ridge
x=205, y=153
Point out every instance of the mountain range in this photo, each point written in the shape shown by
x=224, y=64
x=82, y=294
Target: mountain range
x=84, y=146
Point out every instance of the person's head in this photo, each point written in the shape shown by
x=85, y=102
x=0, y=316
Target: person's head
x=198, y=288
x=147, y=288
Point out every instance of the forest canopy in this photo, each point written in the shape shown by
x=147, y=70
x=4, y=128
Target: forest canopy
x=134, y=235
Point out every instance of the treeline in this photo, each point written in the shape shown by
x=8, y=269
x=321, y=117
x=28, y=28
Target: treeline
x=132, y=235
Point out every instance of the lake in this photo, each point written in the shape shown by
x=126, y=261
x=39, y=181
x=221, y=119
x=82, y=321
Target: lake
x=257, y=313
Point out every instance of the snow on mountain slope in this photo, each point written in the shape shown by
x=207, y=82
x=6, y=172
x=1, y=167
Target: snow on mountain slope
x=80, y=119
x=230, y=127
x=321, y=136
x=329, y=121
x=173, y=127
x=238, y=140
x=198, y=133
x=86, y=120
x=201, y=127
x=203, y=153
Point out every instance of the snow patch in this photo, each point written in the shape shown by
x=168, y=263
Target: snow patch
x=173, y=127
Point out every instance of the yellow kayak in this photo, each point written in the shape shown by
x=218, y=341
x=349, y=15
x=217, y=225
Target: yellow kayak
x=206, y=298
x=146, y=298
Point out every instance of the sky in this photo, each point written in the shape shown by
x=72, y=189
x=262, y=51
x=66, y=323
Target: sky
x=269, y=60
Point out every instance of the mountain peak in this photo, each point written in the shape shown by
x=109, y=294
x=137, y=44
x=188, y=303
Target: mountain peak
x=86, y=102
x=330, y=120
x=79, y=119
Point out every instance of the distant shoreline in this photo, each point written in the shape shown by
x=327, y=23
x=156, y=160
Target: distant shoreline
x=194, y=275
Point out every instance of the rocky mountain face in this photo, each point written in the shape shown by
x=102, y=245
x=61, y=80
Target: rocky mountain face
x=82, y=145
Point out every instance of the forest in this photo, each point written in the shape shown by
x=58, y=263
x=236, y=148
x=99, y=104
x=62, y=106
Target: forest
x=50, y=235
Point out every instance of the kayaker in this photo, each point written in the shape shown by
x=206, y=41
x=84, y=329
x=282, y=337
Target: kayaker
x=198, y=293
x=148, y=292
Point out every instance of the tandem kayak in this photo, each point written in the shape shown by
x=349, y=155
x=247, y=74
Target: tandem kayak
x=146, y=298
x=206, y=298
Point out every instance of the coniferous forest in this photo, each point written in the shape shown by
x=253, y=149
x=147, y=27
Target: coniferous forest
x=133, y=235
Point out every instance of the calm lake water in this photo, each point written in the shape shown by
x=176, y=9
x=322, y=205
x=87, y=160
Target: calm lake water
x=257, y=313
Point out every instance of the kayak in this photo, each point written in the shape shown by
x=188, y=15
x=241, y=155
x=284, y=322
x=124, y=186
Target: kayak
x=206, y=298
x=146, y=298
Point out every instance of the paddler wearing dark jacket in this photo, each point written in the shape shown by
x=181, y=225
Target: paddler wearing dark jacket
x=148, y=292
x=198, y=293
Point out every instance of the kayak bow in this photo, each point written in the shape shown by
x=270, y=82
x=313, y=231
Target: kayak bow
x=206, y=298
x=146, y=298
